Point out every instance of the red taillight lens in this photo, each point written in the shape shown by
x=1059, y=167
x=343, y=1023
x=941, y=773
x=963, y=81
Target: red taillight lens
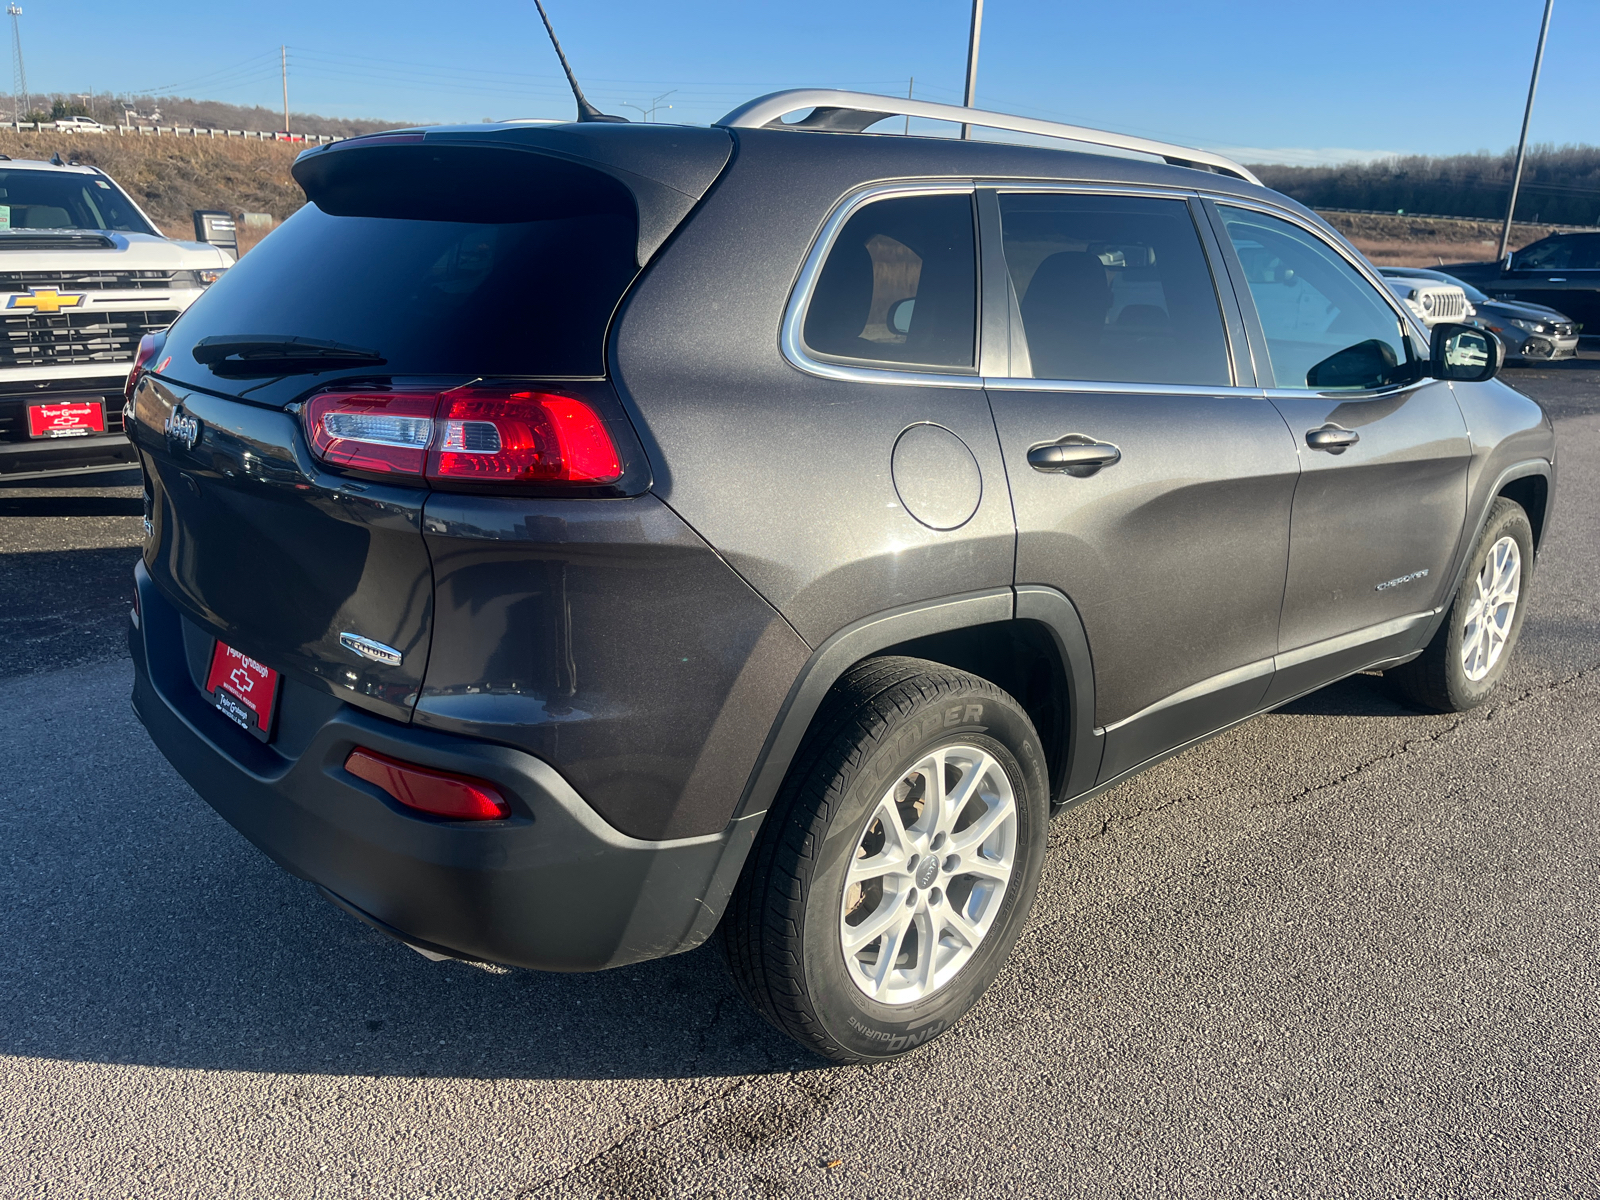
x=372, y=431
x=521, y=437
x=471, y=434
x=148, y=345
x=444, y=795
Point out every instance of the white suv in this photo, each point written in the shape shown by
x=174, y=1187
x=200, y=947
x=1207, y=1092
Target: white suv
x=79, y=125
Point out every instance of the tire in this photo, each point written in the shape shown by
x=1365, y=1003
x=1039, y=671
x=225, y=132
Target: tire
x=1467, y=656
x=855, y=792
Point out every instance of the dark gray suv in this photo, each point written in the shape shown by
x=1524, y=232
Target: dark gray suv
x=569, y=542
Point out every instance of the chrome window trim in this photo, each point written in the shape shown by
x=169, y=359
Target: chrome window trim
x=1363, y=268
x=1021, y=384
x=1013, y=187
x=791, y=335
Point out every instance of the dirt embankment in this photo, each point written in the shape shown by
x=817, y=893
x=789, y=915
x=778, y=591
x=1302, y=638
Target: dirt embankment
x=170, y=177
x=1399, y=241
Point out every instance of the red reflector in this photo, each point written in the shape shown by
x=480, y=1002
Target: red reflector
x=372, y=431
x=430, y=791
x=521, y=437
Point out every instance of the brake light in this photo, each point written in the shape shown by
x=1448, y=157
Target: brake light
x=148, y=345
x=470, y=434
x=437, y=792
x=532, y=437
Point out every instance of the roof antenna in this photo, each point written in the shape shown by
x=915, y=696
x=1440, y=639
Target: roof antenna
x=586, y=111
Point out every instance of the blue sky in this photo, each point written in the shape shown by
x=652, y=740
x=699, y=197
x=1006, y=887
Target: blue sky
x=1264, y=81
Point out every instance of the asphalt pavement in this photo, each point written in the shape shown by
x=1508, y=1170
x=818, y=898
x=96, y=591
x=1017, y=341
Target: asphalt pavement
x=1344, y=950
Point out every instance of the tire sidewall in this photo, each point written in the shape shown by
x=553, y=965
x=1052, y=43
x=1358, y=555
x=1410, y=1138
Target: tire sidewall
x=1509, y=521
x=857, y=1023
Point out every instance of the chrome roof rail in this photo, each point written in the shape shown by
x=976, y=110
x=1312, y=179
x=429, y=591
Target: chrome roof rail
x=853, y=112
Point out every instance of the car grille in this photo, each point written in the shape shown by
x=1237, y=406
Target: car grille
x=85, y=281
x=1449, y=306
x=88, y=337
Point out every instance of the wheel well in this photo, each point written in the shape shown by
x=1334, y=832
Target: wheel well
x=1533, y=493
x=1019, y=656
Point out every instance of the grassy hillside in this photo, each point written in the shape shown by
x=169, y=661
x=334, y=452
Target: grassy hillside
x=1427, y=241
x=170, y=177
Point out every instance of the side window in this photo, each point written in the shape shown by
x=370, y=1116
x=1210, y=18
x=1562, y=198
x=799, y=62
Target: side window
x=900, y=286
x=1552, y=254
x=1113, y=289
x=1327, y=328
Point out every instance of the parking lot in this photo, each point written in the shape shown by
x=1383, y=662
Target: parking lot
x=1344, y=950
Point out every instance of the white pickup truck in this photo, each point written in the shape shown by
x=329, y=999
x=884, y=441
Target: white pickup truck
x=84, y=275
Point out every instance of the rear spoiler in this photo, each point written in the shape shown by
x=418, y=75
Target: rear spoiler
x=546, y=170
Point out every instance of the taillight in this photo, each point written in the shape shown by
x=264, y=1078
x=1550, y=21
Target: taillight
x=529, y=437
x=372, y=431
x=437, y=792
x=148, y=345
x=470, y=434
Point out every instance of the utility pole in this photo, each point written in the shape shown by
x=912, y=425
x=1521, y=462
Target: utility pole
x=284, y=53
x=1522, y=142
x=19, y=76
x=972, y=62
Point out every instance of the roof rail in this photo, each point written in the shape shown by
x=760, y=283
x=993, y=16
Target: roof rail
x=853, y=112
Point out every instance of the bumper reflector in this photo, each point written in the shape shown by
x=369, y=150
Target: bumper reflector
x=459, y=797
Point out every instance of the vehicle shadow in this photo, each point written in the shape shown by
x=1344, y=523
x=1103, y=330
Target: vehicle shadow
x=1357, y=696
x=143, y=930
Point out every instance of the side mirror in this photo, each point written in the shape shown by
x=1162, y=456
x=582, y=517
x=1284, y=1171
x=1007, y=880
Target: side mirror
x=899, y=318
x=1464, y=354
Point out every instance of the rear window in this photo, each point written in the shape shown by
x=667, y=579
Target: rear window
x=476, y=263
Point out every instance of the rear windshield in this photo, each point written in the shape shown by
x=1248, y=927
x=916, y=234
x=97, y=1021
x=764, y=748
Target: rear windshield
x=65, y=200
x=492, y=294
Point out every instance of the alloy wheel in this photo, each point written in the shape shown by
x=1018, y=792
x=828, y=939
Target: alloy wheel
x=1489, y=616
x=929, y=874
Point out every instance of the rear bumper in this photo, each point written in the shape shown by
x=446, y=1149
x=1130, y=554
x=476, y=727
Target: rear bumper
x=554, y=887
x=66, y=456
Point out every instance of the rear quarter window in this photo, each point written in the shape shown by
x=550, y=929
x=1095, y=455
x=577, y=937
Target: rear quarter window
x=899, y=287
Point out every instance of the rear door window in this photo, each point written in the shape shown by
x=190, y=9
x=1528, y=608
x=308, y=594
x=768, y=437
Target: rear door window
x=900, y=286
x=1326, y=327
x=1113, y=289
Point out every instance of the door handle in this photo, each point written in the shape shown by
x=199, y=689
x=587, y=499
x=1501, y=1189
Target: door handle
x=1332, y=439
x=1074, y=454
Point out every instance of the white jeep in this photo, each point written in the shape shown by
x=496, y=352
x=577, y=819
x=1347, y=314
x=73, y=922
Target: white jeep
x=1432, y=302
x=84, y=276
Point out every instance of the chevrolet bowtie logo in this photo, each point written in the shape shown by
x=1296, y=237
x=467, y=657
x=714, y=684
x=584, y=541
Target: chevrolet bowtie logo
x=46, y=300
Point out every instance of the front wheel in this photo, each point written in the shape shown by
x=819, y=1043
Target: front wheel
x=898, y=865
x=1471, y=650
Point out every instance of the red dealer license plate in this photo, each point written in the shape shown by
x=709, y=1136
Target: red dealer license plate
x=69, y=418
x=244, y=690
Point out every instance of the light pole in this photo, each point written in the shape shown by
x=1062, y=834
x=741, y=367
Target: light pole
x=19, y=76
x=1522, y=142
x=649, y=114
x=972, y=62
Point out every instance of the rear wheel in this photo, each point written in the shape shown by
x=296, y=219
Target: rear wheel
x=897, y=866
x=1471, y=650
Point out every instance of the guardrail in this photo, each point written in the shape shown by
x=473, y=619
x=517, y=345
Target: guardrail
x=309, y=139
